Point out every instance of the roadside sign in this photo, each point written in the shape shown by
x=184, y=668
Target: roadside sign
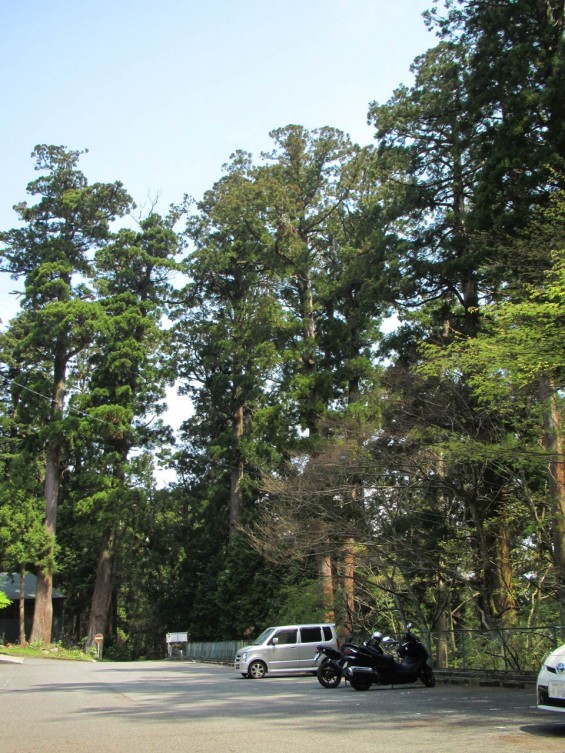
x=99, y=640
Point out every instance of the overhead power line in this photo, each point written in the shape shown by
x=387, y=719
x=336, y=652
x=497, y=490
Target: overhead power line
x=51, y=401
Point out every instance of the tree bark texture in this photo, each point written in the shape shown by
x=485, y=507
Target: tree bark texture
x=236, y=488
x=103, y=586
x=349, y=584
x=43, y=612
x=324, y=563
x=22, y=608
x=553, y=443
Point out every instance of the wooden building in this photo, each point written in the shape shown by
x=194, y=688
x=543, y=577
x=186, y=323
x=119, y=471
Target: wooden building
x=10, y=616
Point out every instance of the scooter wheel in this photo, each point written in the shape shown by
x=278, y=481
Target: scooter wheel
x=328, y=676
x=427, y=677
x=360, y=683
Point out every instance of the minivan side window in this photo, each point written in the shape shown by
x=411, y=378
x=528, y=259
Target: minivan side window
x=327, y=633
x=310, y=634
x=285, y=637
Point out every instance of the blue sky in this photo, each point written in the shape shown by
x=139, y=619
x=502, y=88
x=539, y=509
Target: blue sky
x=161, y=93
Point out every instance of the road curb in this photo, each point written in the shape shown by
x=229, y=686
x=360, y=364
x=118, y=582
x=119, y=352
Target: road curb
x=484, y=678
x=10, y=659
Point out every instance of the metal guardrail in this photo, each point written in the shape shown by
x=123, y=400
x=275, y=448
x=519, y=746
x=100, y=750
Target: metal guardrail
x=216, y=651
x=503, y=649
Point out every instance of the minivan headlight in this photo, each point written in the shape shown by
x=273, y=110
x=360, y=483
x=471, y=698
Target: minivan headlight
x=243, y=656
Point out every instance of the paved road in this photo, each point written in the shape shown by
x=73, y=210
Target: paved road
x=165, y=707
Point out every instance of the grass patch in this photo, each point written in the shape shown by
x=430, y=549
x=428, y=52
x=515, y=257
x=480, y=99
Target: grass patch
x=43, y=651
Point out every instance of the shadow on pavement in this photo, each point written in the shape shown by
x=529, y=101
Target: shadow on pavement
x=548, y=729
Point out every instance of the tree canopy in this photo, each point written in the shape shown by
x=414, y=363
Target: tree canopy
x=371, y=340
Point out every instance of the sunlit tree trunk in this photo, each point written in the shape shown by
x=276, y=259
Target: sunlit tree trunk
x=349, y=584
x=103, y=586
x=324, y=564
x=236, y=482
x=553, y=443
x=506, y=600
x=22, y=608
x=43, y=612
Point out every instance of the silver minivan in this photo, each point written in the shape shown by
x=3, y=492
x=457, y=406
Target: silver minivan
x=286, y=649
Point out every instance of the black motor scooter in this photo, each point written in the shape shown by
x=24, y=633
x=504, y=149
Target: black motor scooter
x=412, y=665
x=331, y=668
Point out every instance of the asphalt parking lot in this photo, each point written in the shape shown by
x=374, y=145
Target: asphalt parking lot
x=163, y=706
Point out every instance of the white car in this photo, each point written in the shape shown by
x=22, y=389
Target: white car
x=551, y=682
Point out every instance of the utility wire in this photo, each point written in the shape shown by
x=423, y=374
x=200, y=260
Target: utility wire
x=51, y=401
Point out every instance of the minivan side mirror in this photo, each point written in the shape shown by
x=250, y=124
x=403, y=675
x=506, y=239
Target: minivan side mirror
x=275, y=641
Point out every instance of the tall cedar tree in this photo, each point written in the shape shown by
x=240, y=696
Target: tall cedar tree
x=127, y=372
x=50, y=254
x=228, y=332
x=308, y=178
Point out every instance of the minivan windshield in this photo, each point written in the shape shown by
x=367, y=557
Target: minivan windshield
x=263, y=637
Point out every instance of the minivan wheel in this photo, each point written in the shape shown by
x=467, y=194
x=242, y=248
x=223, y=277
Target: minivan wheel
x=257, y=670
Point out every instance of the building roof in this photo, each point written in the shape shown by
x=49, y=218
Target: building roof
x=10, y=585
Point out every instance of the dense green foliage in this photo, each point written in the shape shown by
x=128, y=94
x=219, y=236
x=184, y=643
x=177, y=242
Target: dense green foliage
x=328, y=469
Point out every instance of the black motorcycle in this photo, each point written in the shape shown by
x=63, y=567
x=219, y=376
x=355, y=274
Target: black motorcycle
x=411, y=665
x=332, y=667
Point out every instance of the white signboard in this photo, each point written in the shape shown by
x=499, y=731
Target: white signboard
x=177, y=637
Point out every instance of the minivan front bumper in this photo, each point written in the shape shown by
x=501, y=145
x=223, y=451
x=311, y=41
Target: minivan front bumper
x=240, y=663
